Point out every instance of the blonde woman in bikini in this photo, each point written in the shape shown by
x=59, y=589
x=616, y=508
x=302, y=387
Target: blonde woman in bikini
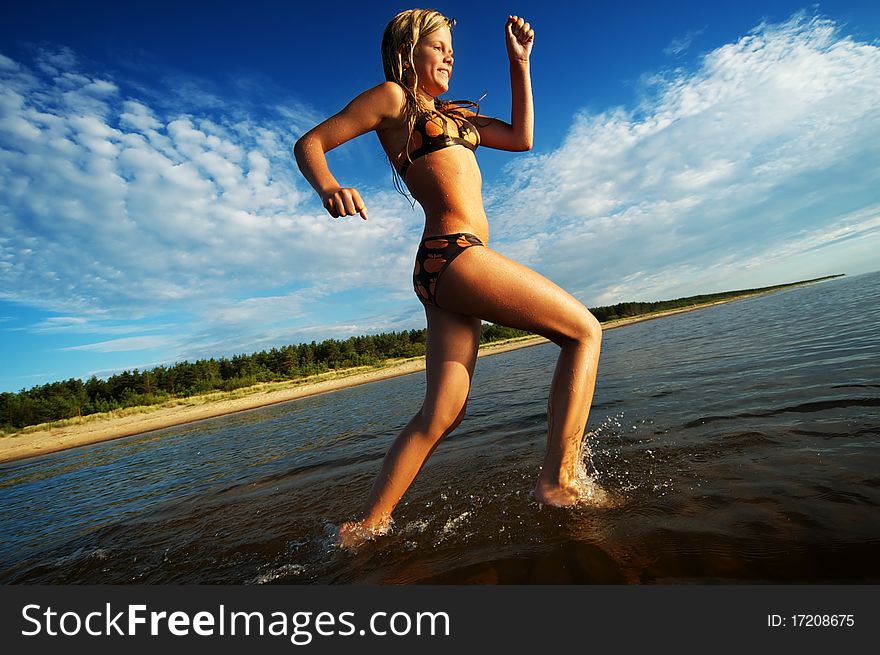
x=458, y=278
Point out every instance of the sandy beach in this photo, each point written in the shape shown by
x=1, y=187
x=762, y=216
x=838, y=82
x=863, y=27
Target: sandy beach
x=96, y=428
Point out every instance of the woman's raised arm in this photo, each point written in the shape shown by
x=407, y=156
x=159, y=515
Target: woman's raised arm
x=518, y=134
x=371, y=110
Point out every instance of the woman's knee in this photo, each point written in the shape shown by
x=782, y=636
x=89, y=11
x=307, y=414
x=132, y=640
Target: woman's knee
x=585, y=329
x=440, y=420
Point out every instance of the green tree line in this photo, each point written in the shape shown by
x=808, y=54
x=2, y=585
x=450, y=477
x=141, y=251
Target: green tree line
x=629, y=309
x=72, y=398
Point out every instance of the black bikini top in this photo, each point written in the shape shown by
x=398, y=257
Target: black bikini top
x=431, y=133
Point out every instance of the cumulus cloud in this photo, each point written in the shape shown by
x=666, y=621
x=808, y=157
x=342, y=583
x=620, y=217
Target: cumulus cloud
x=179, y=212
x=772, y=141
x=115, y=204
x=176, y=211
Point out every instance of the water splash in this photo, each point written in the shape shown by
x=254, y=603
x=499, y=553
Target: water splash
x=283, y=571
x=452, y=526
x=586, y=483
x=352, y=535
x=634, y=454
x=417, y=526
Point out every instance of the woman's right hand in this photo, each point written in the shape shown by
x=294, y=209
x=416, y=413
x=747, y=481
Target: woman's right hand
x=520, y=38
x=344, y=202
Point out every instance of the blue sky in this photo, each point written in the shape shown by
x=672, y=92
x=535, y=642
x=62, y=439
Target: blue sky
x=150, y=209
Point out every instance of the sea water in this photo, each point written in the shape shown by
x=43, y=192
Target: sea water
x=735, y=443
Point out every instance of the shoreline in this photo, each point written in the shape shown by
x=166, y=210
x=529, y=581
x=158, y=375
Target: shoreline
x=99, y=428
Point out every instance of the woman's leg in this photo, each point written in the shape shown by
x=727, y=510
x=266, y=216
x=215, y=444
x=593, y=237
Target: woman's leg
x=451, y=352
x=485, y=284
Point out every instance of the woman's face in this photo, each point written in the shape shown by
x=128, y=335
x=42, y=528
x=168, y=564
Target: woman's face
x=432, y=57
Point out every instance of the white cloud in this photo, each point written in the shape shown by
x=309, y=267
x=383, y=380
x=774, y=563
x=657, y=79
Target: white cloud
x=124, y=344
x=109, y=204
x=118, y=207
x=7, y=64
x=681, y=44
x=94, y=324
x=183, y=206
x=770, y=138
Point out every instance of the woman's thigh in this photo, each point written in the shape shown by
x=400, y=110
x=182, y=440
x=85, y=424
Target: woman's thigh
x=485, y=284
x=450, y=354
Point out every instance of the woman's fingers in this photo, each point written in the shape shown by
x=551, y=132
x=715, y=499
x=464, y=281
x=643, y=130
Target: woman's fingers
x=330, y=205
x=520, y=28
x=345, y=202
x=358, y=206
x=349, y=204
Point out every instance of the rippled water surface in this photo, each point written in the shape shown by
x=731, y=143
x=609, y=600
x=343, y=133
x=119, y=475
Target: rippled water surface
x=738, y=443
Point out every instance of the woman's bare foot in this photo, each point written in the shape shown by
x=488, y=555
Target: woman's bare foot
x=566, y=491
x=353, y=534
x=556, y=495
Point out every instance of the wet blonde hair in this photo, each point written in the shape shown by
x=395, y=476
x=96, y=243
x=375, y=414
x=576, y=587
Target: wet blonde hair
x=398, y=43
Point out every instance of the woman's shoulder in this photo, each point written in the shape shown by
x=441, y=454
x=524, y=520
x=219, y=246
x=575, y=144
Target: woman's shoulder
x=384, y=103
x=389, y=95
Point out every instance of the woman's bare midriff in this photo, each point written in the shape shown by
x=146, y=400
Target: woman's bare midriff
x=448, y=185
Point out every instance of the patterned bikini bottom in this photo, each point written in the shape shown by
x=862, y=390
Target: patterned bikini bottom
x=434, y=255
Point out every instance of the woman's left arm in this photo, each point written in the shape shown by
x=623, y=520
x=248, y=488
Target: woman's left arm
x=516, y=135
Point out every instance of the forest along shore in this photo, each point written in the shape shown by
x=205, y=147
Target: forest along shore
x=95, y=428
